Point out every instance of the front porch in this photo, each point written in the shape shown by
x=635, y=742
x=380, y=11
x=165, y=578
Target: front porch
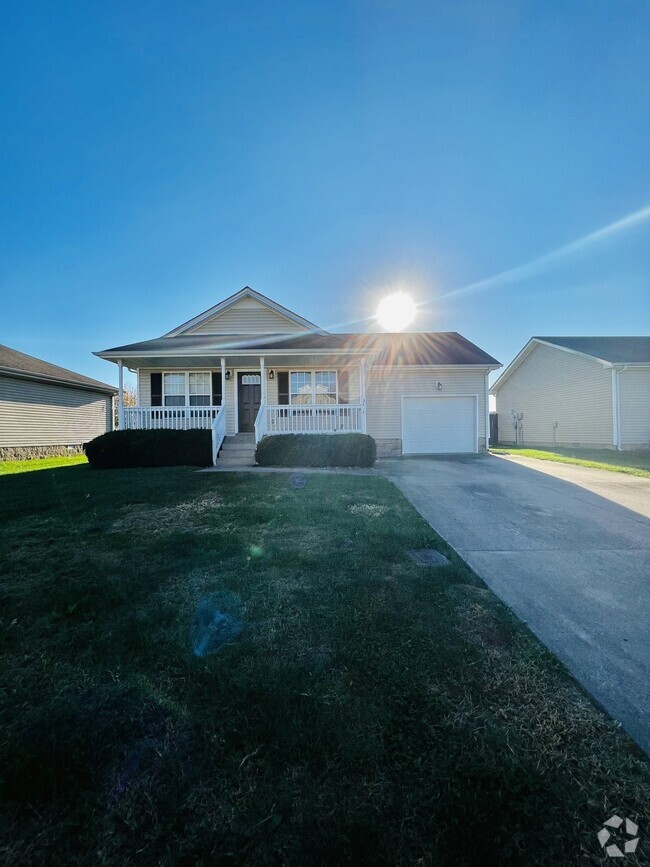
x=311, y=396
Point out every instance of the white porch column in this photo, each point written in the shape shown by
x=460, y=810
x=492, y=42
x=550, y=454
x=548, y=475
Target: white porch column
x=223, y=389
x=120, y=395
x=263, y=380
x=362, y=393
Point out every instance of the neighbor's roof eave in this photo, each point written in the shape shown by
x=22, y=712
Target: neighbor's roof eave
x=90, y=385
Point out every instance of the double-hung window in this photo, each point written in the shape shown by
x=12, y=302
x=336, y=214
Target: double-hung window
x=187, y=389
x=174, y=389
x=300, y=386
x=200, y=386
x=308, y=387
x=325, y=386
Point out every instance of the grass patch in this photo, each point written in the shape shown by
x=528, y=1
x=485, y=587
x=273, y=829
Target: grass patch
x=373, y=711
x=633, y=463
x=10, y=467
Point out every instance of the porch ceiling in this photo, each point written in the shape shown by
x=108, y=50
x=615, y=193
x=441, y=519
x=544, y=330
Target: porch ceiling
x=252, y=361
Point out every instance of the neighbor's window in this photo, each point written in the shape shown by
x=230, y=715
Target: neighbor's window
x=300, y=386
x=309, y=386
x=200, y=389
x=325, y=386
x=174, y=389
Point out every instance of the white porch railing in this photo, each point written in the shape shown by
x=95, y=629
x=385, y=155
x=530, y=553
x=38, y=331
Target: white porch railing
x=218, y=432
x=261, y=428
x=309, y=418
x=174, y=417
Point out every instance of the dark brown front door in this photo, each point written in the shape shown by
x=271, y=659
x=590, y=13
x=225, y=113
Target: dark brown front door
x=249, y=395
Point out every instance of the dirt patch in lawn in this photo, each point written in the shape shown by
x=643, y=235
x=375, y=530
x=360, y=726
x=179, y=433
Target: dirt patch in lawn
x=163, y=519
x=369, y=510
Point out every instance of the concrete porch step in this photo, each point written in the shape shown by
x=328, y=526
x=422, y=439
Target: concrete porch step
x=238, y=448
x=244, y=460
x=241, y=438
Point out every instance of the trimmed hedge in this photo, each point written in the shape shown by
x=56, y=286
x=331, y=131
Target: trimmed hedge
x=150, y=448
x=317, y=450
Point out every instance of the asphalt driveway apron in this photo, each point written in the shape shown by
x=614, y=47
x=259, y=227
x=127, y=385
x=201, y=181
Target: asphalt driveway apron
x=567, y=548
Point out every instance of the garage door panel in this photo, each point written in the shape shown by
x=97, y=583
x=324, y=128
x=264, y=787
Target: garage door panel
x=438, y=425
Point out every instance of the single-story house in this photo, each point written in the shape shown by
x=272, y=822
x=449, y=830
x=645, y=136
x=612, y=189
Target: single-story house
x=249, y=368
x=577, y=391
x=46, y=409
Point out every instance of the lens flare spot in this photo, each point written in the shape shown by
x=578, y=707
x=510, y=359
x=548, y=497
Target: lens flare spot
x=218, y=620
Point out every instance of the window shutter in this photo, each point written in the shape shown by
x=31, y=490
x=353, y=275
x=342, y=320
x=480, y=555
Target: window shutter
x=217, y=392
x=283, y=388
x=344, y=386
x=156, y=389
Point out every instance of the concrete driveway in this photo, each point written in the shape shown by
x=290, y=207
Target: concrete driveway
x=567, y=548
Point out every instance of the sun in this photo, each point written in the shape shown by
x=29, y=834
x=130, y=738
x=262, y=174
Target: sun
x=396, y=311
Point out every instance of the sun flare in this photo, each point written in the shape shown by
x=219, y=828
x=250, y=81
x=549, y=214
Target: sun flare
x=396, y=311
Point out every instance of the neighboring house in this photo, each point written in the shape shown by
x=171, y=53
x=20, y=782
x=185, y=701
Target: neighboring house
x=250, y=366
x=45, y=409
x=577, y=391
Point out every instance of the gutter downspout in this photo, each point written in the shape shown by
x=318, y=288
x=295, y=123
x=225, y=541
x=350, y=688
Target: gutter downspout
x=487, y=412
x=616, y=408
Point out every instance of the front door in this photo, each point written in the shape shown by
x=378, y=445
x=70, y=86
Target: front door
x=249, y=395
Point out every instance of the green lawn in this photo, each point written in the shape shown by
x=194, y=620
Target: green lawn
x=10, y=467
x=372, y=711
x=633, y=463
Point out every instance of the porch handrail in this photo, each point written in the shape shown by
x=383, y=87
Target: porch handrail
x=261, y=423
x=314, y=418
x=218, y=432
x=173, y=417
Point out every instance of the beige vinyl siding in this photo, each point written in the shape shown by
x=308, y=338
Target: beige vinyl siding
x=42, y=414
x=385, y=387
x=634, y=387
x=552, y=385
x=248, y=316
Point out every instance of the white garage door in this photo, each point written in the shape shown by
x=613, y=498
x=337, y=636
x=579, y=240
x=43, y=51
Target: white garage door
x=438, y=425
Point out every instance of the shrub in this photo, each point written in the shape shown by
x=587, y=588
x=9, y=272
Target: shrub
x=317, y=450
x=150, y=448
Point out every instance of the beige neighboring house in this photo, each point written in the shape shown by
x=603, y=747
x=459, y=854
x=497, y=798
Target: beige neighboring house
x=46, y=409
x=249, y=368
x=577, y=391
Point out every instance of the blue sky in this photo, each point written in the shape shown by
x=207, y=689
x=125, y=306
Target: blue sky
x=156, y=157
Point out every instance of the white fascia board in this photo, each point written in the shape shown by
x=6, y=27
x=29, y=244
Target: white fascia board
x=114, y=356
x=437, y=366
x=246, y=292
x=623, y=365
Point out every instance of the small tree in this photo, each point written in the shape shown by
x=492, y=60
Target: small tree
x=130, y=394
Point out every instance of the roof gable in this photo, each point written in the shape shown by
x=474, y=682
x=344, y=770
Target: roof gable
x=607, y=351
x=246, y=312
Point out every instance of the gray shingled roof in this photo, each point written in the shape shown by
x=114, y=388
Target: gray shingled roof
x=12, y=361
x=404, y=348
x=616, y=350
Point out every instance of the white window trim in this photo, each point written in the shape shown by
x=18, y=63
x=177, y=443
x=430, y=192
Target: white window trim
x=186, y=378
x=313, y=373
